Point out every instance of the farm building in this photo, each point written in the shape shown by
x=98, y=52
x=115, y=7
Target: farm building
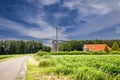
x=95, y=47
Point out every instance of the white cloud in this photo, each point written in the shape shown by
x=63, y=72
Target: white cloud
x=89, y=7
x=100, y=9
x=97, y=24
x=48, y=2
x=60, y=15
x=44, y=31
x=8, y=24
x=106, y=15
x=44, y=26
x=119, y=4
x=72, y=4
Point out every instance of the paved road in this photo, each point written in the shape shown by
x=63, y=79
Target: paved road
x=10, y=69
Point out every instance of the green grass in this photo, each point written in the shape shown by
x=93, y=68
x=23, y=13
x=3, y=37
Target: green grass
x=82, y=53
x=6, y=57
x=36, y=72
x=73, y=67
x=42, y=53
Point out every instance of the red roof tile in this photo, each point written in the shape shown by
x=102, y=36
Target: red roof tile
x=96, y=47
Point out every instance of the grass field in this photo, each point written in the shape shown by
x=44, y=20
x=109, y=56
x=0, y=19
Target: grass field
x=6, y=57
x=72, y=67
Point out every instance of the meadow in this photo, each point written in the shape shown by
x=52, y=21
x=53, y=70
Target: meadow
x=6, y=57
x=73, y=67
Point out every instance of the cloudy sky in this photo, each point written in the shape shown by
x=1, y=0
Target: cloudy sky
x=75, y=19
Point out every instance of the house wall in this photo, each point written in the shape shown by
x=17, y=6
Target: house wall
x=85, y=49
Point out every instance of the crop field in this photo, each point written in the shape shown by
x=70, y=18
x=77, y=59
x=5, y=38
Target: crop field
x=72, y=67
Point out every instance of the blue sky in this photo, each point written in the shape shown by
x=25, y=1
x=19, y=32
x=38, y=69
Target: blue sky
x=75, y=19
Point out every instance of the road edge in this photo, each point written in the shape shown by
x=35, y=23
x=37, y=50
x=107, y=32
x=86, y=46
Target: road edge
x=22, y=72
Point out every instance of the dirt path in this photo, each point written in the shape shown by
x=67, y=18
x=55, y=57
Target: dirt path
x=11, y=69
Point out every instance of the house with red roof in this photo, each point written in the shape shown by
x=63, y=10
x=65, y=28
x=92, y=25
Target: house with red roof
x=95, y=47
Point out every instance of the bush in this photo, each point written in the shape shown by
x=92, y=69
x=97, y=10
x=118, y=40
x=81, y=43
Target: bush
x=47, y=56
x=85, y=53
x=46, y=63
x=71, y=53
x=77, y=53
x=115, y=52
x=42, y=53
x=64, y=70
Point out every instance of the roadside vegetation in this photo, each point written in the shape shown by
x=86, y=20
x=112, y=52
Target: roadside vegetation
x=41, y=53
x=85, y=53
x=44, y=66
x=6, y=57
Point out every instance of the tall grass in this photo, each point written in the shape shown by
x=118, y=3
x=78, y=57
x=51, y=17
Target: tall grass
x=87, y=73
x=46, y=63
x=4, y=56
x=84, y=67
x=86, y=53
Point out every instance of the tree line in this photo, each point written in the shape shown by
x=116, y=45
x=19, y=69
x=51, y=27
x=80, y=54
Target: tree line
x=21, y=47
x=77, y=45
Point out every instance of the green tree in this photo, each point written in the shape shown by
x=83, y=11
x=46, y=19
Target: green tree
x=115, y=46
x=106, y=49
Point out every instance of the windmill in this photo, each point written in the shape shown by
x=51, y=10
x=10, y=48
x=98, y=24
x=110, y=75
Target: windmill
x=55, y=42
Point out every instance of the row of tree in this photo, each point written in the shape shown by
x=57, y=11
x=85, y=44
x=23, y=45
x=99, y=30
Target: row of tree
x=78, y=44
x=21, y=47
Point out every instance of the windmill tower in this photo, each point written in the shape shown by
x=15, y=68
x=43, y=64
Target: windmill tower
x=55, y=46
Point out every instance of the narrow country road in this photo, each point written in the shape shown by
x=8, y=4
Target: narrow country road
x=10, y=69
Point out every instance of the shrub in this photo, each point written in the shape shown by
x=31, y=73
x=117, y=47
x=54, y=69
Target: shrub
x=114, y=52
x=71, y=53
x=64, y=70
x=106, y=49
x=42, y=53
x=115, y=46
x=37, y=57
x=47, y=56
x=86, y=53
x=46, y=63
